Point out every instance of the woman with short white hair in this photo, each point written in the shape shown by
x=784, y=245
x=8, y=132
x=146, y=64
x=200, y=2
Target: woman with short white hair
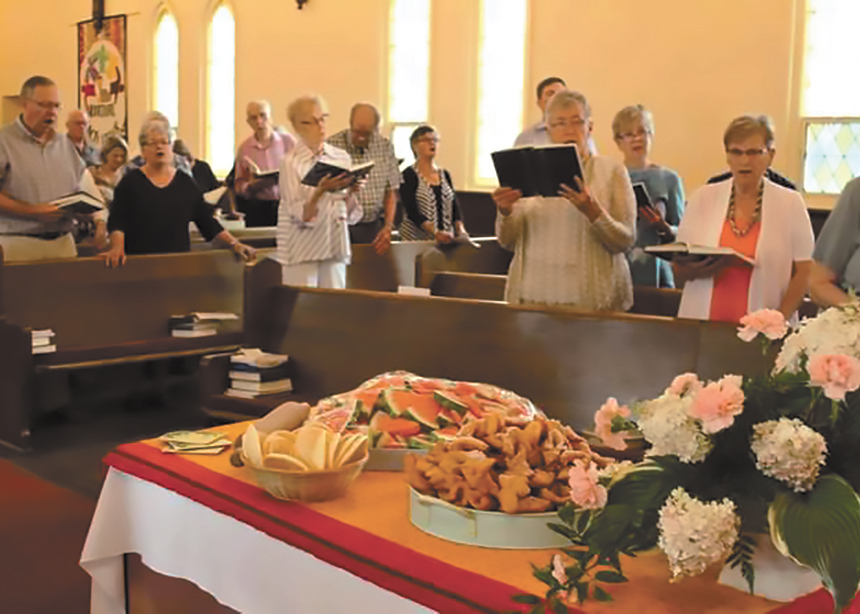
x=154, y=204
x=569, y=249
x=313, y=238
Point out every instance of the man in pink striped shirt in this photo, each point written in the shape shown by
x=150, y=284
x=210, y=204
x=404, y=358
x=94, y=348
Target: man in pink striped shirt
x=257, y=164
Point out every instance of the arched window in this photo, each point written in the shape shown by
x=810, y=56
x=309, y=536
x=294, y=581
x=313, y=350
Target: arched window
x=166, y=77
x=408, y=71
x=501, y=71
x=221, y=91
x=831, y=96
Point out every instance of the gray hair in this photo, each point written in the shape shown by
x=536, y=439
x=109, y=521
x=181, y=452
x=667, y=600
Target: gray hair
x=365, y=105
x=628, y=116
x=747, y=125
x=30, y=85
x=300, y=103
x=566, y=99
x=263, y=104
x=154, y=122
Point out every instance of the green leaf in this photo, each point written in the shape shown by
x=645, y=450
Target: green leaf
x=821, y=529
x=600, y=594
x=559, y=608
x=527, y=599
x=582, y=591
x=567, y=514
x=562, y=529
x=611, y=577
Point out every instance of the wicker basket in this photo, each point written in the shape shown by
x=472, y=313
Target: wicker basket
x=309, y=486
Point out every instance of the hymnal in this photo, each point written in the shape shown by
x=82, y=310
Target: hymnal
x=668, y=251
x=281, y=385
x=257, y=172
x=321, y=169
x=643, y=199
x=538, y=170
x=249, y=359
x=80, y=203
x=213, y=196
x=261, y=375
x=197, y=331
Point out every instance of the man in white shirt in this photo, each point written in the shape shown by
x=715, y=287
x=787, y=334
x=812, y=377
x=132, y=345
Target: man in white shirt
x=37, y=165
x=537, y=134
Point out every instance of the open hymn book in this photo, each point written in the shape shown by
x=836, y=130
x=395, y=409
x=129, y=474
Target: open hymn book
x=81, y=203
x=668, y=251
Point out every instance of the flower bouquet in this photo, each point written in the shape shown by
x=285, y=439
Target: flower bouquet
x=729, y=462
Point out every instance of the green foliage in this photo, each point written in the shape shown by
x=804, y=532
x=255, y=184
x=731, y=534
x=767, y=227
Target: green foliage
x=821, y=529
x=741, y=554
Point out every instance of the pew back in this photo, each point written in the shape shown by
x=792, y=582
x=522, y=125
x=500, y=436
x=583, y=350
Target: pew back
x=566, y=362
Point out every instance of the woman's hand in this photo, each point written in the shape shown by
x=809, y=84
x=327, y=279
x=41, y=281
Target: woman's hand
x=245, y=252
x=114, y=257
x=581, y=199
x=335, y=183
x=691, y=267
x=444, y=237
x=505, y=198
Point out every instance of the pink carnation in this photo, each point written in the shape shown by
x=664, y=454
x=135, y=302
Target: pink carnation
x=717, y=404
x=768, y=322
x=684, y=384
x=585, y=491
x=603, y=423
x=836, y=373
x=558, y=571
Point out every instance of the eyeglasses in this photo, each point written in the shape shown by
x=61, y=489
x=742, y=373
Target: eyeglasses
x=749, y=153
x=48, y=105
x=314, y=121
x=564, y=123
x=428, y=139
x=629, y=136
x=158, y=144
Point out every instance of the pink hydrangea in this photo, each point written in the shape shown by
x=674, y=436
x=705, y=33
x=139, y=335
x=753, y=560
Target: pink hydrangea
x=684, y=384
x=603, y=423
x=768, y=322
x=585, y=491
x=836, y=373
x=717, y=404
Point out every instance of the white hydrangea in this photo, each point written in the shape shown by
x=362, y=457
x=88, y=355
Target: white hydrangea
x=834, y=331
x=695, y=534
x=666, y=424
x=790, y=451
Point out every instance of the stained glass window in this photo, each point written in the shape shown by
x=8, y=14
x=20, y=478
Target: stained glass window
x=832, y=155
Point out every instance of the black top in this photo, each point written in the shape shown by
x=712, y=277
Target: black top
x=155, y=220
x=203, y=175
x=411, y=206
x=771, y=174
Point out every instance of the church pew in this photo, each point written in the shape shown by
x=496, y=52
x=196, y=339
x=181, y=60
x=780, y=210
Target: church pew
x=566, y=362
x=489, y=259
x=105, y=316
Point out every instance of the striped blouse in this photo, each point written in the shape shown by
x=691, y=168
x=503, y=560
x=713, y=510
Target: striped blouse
x=423, y=202
x=325, y=237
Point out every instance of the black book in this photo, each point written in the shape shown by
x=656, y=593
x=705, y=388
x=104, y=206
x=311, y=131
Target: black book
x=643, y=199
x=321, y=169
x=538, y=170
x=81, y=203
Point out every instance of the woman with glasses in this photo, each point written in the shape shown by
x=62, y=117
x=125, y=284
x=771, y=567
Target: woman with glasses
x=633, y=129
x=154, y=204
x=312, y=237
x=761, y=220
x=427, y=194
x=569, y=250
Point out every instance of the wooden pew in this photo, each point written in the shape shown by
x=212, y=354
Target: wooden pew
x=370, y=271
x=566, y=362
x=107, y=316
x=490, y=259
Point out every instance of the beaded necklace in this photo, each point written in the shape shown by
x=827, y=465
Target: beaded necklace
x=756, y=216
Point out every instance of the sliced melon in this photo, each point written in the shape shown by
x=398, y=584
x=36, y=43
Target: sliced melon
x=421, y=442
x=450, y=401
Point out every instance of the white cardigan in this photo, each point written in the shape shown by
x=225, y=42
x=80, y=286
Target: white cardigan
x=786, y=237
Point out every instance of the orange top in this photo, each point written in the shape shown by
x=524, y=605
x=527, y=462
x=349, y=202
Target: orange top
x=730, y=296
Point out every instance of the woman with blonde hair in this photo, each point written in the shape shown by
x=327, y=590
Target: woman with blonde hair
x=569, y=249
x=633, y=130
x=114, y=155
x=754, y=216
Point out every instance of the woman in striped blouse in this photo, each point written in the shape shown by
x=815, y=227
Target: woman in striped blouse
x=312, y=238
x=427, y=193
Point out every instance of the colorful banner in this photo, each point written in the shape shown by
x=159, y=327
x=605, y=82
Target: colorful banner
x=102, y=89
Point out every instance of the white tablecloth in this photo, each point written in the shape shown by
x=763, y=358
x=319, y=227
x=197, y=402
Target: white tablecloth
x=240, y=566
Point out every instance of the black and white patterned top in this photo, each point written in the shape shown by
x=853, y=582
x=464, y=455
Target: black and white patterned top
x=424, y=202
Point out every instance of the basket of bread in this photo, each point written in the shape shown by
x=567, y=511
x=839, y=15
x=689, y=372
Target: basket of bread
x=311, y=463
x=498, y=482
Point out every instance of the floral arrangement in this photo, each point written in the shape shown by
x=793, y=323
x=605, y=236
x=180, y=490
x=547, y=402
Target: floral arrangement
x=729, y=459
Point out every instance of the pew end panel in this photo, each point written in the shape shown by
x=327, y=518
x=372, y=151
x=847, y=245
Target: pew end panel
x=17, y=380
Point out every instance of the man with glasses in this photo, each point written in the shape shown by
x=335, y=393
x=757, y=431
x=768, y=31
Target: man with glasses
x=77, y=124
x=257, y=193
x=378, y=196
x=37, y=165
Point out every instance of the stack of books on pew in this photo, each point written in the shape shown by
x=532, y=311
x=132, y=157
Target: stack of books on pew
x=198, y=324
x=43, y=341
x=254, y=373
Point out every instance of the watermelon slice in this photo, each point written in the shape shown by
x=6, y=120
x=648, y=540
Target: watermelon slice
x=396, y=427
x=450, y=401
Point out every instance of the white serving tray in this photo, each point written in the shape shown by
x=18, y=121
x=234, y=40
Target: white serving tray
x=486, y=529
x=382, y=459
